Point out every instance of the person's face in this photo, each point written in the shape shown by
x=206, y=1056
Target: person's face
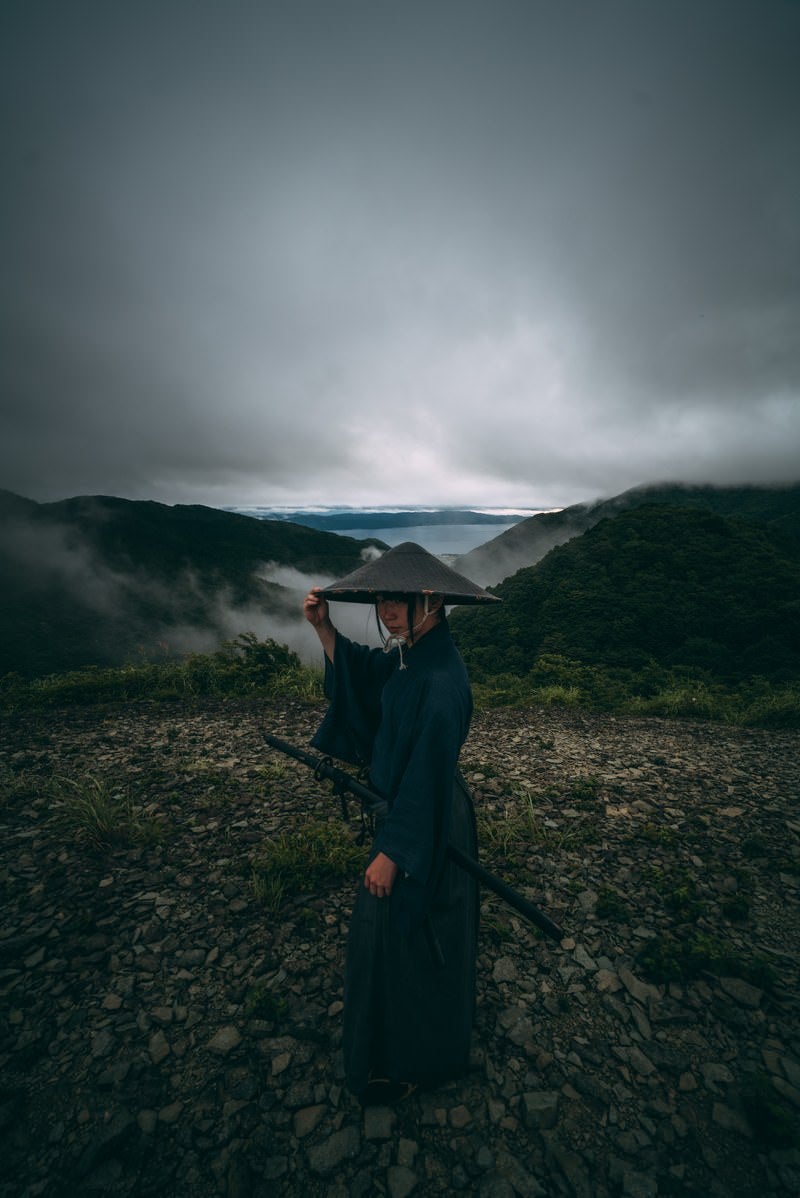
x=393, y=613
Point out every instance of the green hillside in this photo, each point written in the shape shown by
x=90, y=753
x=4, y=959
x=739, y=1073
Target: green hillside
x=677, y=587
x=100, y=581
x=527, y=542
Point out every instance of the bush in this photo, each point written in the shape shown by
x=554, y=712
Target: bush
x=244, y=666
x=667, y=958
x=693, y=700
x=775, y=709
x=249, y=667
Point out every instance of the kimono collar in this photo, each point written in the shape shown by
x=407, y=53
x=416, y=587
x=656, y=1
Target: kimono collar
x=401, y=642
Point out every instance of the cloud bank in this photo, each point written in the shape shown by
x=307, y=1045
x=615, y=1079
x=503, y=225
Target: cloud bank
x=518, y=253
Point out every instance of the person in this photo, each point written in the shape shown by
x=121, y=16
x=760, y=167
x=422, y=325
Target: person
x=402, y=712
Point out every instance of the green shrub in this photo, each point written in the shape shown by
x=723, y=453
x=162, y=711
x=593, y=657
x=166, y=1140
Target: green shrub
x=585, y=790
x=611, y=905
x=557, y=696
x=656, y=834
x=249, y=667
x=775, y=709
x=693, y=700
x=682, y=902
x=264, y=1003
x=244, y=666
x=668, y=958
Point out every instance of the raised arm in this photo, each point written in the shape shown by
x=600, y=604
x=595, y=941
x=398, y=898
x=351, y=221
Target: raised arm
x=315, y=610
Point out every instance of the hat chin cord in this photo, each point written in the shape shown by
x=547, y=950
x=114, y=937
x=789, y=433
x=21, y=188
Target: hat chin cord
x=400, y=642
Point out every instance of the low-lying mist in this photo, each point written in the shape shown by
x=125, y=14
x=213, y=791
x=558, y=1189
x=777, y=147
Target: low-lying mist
x=68, y=607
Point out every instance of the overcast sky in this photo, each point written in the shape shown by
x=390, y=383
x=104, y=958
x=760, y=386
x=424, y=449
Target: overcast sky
x=512, y=252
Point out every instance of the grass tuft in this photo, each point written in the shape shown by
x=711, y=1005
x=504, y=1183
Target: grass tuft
x=100, y=816
x=302, y=862
x=264, y=1003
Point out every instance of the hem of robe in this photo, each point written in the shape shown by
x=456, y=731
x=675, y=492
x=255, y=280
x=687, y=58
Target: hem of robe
x=408, y=1014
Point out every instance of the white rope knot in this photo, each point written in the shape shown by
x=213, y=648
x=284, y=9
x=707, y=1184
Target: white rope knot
x=396, y=642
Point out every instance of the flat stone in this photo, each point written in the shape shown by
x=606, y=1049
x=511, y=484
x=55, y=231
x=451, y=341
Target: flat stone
x=305, y=1120
x=407, y=1152
x=638, y=1185
x=514, y=1173
x=716, y=1075
x=791, y=1071
x=280, y=1063
x=607, y=981
x=539, y=1109
x=730, y=1120
x=379, y=1122
x=225, y=1040
x=102, y=1043
x=401, y=1181
x=517, y=1025
x=147, y=1121
x=787, y=1091
x=641, y=991
x=742, y=992
x=572, y=1168
x=275, y=1167
x=495, y=1186
x=343, y=1145
x=171, y=1113
x=158, y=1047
x=504, y=970
x=633, y=1056
x=582, y=957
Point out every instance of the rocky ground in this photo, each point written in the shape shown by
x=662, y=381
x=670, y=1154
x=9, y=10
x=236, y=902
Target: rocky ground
x=162, y=1034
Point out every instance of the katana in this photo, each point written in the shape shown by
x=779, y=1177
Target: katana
x=373, y=804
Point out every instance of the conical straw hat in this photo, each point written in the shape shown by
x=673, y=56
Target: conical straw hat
x=408, y=569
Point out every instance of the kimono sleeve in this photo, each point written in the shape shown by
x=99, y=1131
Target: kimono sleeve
x=353, y=683
x=416, y=831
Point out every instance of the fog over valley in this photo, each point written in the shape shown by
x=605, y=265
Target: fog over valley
x=105, y=580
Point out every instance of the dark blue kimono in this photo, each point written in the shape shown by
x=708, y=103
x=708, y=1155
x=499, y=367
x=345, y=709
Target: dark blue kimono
x=410, y=969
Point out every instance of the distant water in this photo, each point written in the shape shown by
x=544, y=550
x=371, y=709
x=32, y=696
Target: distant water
x=445, y=540
x=439, y=530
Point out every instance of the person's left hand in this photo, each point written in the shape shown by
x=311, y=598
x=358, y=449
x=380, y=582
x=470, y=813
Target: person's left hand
x=380, y=876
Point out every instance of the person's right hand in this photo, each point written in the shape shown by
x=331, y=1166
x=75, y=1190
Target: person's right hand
x=315, y=608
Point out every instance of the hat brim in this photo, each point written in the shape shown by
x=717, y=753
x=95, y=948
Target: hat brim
x=408, y=569
x=335, y=594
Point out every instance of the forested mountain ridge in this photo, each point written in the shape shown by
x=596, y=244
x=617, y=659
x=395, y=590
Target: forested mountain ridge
x=167, y=539
x=527, y=542
x=100, y=580
x=656, y=584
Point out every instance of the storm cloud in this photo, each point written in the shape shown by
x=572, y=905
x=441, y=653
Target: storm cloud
x=519, y=252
